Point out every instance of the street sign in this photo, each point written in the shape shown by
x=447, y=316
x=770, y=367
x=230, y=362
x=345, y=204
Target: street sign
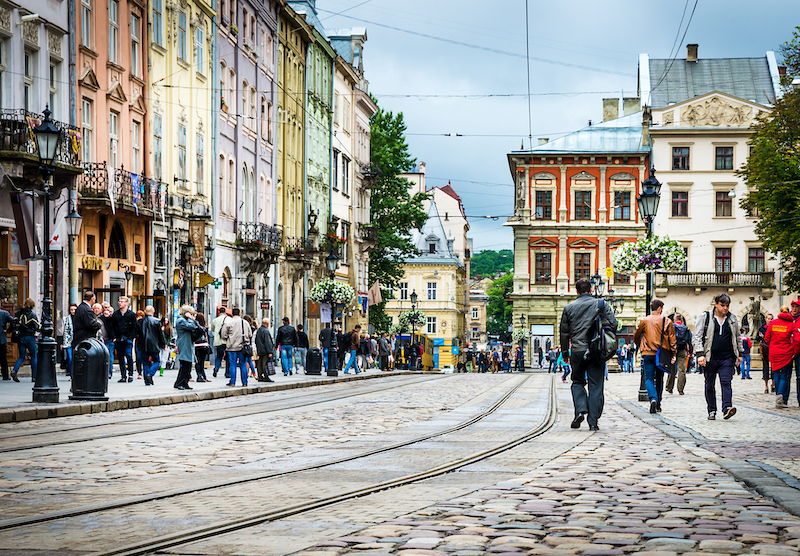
x=609, y=272
x=202, y=279
x=312, y=309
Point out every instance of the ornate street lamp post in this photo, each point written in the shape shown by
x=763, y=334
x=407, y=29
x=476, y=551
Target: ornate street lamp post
x=332, y=263
x=523, y=342
x=74, y=222
x=45, y=389
x=413, y=359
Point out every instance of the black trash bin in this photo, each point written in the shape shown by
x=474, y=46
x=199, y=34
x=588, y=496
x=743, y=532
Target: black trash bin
x=314, y=362
x=90, y=360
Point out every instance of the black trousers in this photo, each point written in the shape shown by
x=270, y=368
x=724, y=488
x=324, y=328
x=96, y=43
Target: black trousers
x=587, y=376
x=184, y=374
x=4, y=360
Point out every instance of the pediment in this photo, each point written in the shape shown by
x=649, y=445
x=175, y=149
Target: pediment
x=582, y=242
x=542, y=242
x=623, y=176
x=583, y=175
x=714, y=109
x=139, y=105
x=116, y=93
x=89, y=80
x=543, y=176
x=617, y=243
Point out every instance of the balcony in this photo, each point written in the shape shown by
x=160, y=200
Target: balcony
x=257, y=236
x=370, y=173
x=709, y=279
x=367, y=234
x=300, y=247
x=132, y=192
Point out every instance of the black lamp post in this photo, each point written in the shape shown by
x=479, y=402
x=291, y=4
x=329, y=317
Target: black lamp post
x=598, y=286
x=74, y=222
x=45, y=389
x=647, y=202
x=332, y=263
x=413, y=359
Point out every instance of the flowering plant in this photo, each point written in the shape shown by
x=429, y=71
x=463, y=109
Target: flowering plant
x=398, y=329
x=332, y=241
x=518, y=335
x=331, y=291
x=407, y=317
x=650, y=253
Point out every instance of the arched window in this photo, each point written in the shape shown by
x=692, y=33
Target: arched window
x=117, y=249
x=252, y=198
x=245, y=190
x=228, y=195
x=232, y=91
x=222, y=181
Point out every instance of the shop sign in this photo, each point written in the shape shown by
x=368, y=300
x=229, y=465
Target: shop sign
x=92, y=263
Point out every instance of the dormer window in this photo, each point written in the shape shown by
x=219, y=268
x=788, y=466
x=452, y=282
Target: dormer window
x=432, y=248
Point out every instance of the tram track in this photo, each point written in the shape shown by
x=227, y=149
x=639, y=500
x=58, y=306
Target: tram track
x=212, y=415
x=237, y=524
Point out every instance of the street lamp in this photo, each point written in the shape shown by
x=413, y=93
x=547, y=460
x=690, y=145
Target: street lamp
x=597, y=284
x=522, y=342
x=413, y=359
x=45, y=389
x=332, y=262
x=74, y=222
x=190, y=250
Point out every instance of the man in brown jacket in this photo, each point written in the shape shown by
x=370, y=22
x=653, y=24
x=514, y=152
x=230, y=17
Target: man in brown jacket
x=654, y=331
x=355, y=341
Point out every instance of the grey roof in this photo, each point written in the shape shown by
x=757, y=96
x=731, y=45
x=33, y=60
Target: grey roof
x=623, y=135
x=310, y=13
x=746, y=78
x=433, y=228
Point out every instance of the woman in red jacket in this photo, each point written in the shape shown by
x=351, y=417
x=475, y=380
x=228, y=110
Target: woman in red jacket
x=783, y=339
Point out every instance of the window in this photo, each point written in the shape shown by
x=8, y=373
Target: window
x=200, y=163
x=755, y=259
x=113, y=129
x=113, y=31
x=86, y=23
x=158, y=22
x=30, y=69
x=431, y=325
x=224, y=11
x=264, y=123
x=724, y=206
x=135, y=40
x=90, y=244
x=252, y=108
x=55, y=72
x=222, y=206
x=335, y=108
x=345, y=175
x=724, y=158
x=621, y=278
x=87, y=129
x=583, y=265
x=3, y=87
x=135, y=146
x=723, y=259
x=680, y=203
x=232, y=4
x=346, y=116
x=182, y=54
x=431, y=291
x=157, y=145
x=232, y=91
x=542, y=268
x=182, y=154
x=346, y=244
x=475, y=313
x=245, y=23
x=622, y=205
x=680, y=158
x=403, y=291
x=199, y=49
x=583, y=205
x=228, y=197
x=335, y=183
x=432, y=248
x=544, y=205
x=685, y=267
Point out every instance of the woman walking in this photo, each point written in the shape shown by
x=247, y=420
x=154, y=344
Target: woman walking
x=27, y=327
x=201, y=349
x=783, y=337
x=766, y=374
x=185, y=325
x=66, y=342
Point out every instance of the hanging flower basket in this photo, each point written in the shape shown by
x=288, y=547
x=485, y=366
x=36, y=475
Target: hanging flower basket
x=407, y=317
x=332, y=241
x=398, y=329
x=331, y=291
x=518, y=335
x=648, y=254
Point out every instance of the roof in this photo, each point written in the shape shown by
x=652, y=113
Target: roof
x=622, y=135
x=745, y=78
x=448, y=190
x=310, y=13
x=432, y=229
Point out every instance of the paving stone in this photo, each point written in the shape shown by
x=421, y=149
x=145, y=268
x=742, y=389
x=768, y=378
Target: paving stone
x=731, y=547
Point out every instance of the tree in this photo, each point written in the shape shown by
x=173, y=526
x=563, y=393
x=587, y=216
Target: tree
x=490, y=263
x=772, y=173
x=499, y=310
x=394, y=212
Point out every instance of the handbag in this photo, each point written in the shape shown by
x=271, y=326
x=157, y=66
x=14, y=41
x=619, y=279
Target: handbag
x=247, y=348
x=270, y=366
x=664, y=365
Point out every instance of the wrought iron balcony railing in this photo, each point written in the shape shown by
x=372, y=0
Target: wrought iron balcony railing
x=256, y=234
x=130, y=191
x=16, y=135
x=703, y=279
x=298, y=246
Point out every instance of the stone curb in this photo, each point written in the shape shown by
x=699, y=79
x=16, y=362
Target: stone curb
x=67, y=409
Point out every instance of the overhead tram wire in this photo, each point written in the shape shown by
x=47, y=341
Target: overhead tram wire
x=669, y=67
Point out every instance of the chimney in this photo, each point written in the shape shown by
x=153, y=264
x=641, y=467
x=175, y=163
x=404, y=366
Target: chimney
x=543, y=140
x=610, y=109
x=630, y=106
x=782, y=71
x=691, y=52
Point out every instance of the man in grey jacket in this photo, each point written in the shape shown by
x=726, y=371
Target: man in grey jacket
x=576, y=332
x=384, y=350
x=265, y=348
x=718, y=347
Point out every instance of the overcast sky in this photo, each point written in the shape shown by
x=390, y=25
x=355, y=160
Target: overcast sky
x=471, y=55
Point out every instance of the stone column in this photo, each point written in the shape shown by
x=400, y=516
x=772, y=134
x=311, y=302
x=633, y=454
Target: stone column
x=562, y=206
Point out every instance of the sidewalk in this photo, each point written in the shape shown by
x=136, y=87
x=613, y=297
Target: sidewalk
x=16, y=404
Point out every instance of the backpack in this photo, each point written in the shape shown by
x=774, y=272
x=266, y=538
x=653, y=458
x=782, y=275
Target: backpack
x=15, y=330
x=603, y=341
x=681, y=335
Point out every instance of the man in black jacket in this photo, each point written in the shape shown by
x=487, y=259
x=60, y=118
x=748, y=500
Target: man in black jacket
x=124, y=322
x=327, y=339
x=286, y=339
x=264, y=348
x=150, y=339
x=84, y=323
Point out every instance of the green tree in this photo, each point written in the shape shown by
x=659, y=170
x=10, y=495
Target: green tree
x=394, y=212
x=772, y=173
x=498, y=309
x=489, y=263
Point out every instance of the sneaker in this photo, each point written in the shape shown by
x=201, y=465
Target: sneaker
x=123, y=379
x=653, y=407
x=779, y=404
x=749, y=378
x=14, y=377
x=576, y=422
x=730, y=412
x=679, y=392
x=712, y=415
x=130, y=379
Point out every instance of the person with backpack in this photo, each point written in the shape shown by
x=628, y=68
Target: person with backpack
x=656, y=339
x=26, y=325
x=747, y=345
x=684, y=338
x=354, y=344
x=719, y=351
x=578, y=325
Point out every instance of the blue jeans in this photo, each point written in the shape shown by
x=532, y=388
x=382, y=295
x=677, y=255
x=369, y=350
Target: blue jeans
x=325, y=358
x=110, y=347
x=653, y=378
x=236, y=359
x=783, y=380
x=26, y=344
x=219, y=355
x=300, y=355
x=151, y=362
x=68, y=359
x=125, y=356
x=286, y=359
x=745, y=365
x=351, y=362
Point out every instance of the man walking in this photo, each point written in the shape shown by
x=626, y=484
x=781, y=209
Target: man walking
x=551, y=360
x=575, y=333
x=150, y=340
x=264, y=348
x=355, y=342
x=655, y=332
x=124, y=329
x=85, y=323
x=301, y=349
x=683, y=337
x=327, y=339
x=236, y=333
x=719, y=350
x=185, y=325
x=384, y=350
x=219, y=341
x=286, y=339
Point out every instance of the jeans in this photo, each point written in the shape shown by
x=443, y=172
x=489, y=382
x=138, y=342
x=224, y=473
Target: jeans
x=236, y=359
x=250, y=365
x=152, y=362
x=139, y=362
x=125, y=356
x=725, y=369
x=26, y=344
x=219, y=355
x=351, y=362
x=286, y=359
x=68, y=359
x=325, y=358
x=110, y=347
x=653, y=378
x=783, y=380
x=745, y=365
x=300, y=354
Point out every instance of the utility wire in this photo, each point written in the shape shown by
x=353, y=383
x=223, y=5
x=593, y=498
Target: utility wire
x=528, y=63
